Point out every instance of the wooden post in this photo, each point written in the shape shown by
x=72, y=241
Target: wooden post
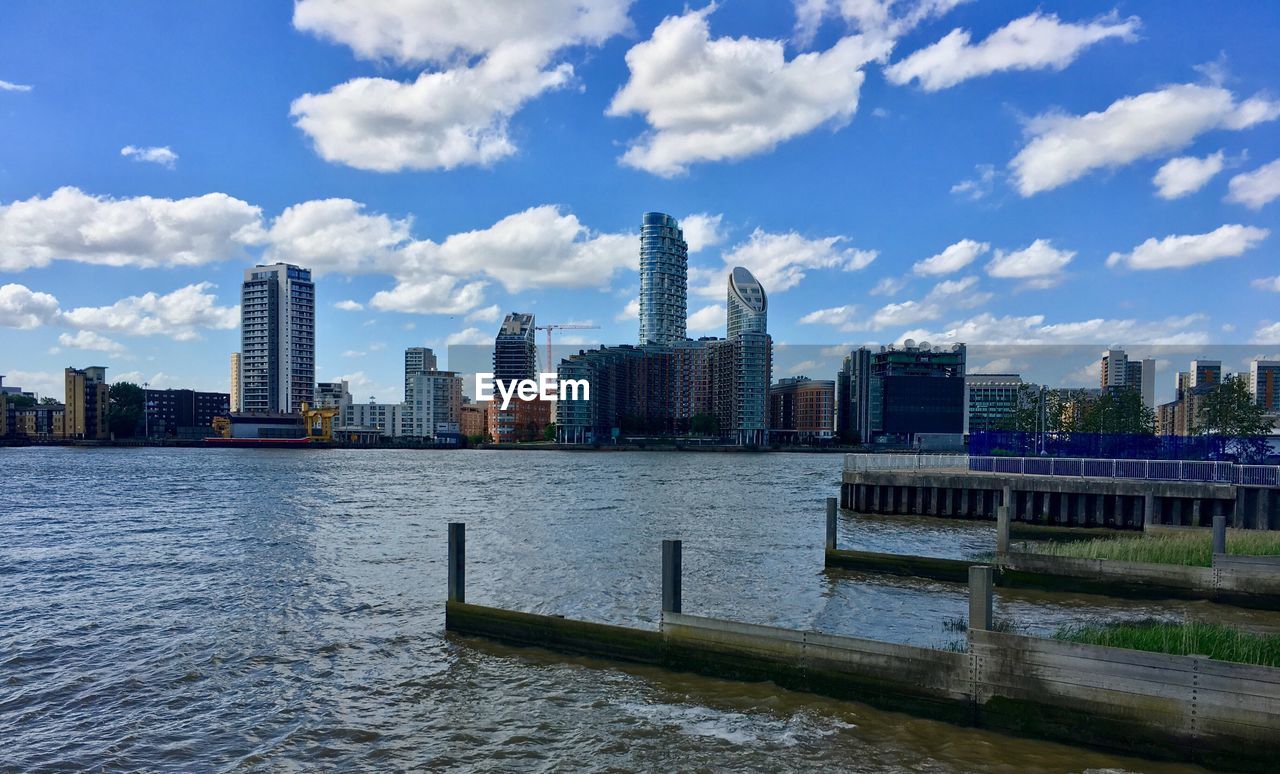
x=1219, y=534
x=981, y=580
x=831, y=523
x=671, y=576
x=457, y=562
x=1002, y=530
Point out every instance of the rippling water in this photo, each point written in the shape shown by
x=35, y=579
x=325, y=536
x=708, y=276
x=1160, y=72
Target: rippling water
x=228, y=609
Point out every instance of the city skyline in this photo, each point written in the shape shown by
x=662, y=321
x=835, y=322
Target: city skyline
x=917, y=201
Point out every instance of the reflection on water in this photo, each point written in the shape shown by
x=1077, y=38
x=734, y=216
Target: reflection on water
x=192, y=608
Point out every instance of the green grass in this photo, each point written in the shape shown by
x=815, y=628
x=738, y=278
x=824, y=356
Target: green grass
x=1180, y=639
x=1192, y=548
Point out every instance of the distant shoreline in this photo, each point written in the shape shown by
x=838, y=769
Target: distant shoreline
x=532, y=446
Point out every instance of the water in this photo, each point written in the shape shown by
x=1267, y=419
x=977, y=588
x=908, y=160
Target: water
x=268, y=609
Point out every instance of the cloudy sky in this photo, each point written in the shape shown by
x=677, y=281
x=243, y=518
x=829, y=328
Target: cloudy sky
x=1000, y=173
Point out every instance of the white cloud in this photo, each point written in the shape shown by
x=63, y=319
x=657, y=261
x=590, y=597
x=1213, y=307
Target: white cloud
x=779, y=261
x=140, y=231
x=44, y=383
x=91, y=341
x=1256, y=188
x=1064, y=148
x=485, y=314
x=1034, y=42
x=354, y=353
x=336, y=235
x=10, y=86
x=179, y=314
x=707, y=318
x=1001, y=365
x=1040, y=261
x=347, y=305
x=952, y=259
x=469, y=336
x=494, y=57
x=22, y=307
x=439, y=295
x=881, y=19
x=979, y=186
x=1186, y=174
x=161, y=155
x=986, y=328
x=629, y=312
x=836, y=315
x=888, y=286
x=702, y=230
x=720, y=99
x=1268, y=333
x=1263, y=283
x=361, y=385
x=1180, y=251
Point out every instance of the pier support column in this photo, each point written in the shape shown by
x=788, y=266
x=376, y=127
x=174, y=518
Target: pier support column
x=1262, y=511
x=981, y=580
x=831, y=523
x=1148, y=511
x=1219, y=534
x=1100, y=510
x=1006, y=496
x=1028, y=508
x=935, y=501
x=1195, y=512
x=1081, y=517
x=1002, y=529
x=860, y=498
x=457, y=562
x=671, y=576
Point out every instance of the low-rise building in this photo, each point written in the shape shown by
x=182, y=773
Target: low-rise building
x=183, y=413
x=802, y=410
x=992, y=400
x=474, y=420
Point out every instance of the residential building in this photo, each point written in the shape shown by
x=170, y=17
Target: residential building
x=436, y=408
x=664, y=270
x=474, y=419
x=6, y=423
x=86, y=403
x=1264, y=384
x=1205, y=373
x=740, y=372
x=278, y=339
x=802, y=410
x=387, y=418
x=1118, y=372
x=235, y=382
x=991, y=400
x=747, y=304
x=183, y=413
x=515, y=353
x=335, y=395
x=417, y=360
x=853, y=398
x=522, y=420
x=42, y=420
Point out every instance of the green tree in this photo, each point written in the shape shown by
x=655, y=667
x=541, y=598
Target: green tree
x=47, y=401
x=549, y=432
x=124, y=409
x=1229, y=412
x=704, y=424
x=18, y=400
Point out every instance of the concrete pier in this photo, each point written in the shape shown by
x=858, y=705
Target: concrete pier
x=1115, y=503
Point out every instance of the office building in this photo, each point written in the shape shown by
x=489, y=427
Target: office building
x=86, y=403
x=802, y=410
x=748, y=307
x=278, y=339
x=893, y=395
x=992, y=401
x=1118, y=372
x=1264, y=384
x=182, y=413
x=664, y=277
x=235, y=382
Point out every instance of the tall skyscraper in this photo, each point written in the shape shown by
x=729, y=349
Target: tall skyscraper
x=1118, y=372
x=277, y=338
x=664, y=279
x=747, y=304
x=515, y=355
x=235, y=382
x=1264, y=384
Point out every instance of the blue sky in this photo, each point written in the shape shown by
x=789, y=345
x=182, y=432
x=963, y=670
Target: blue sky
x=1079, y=173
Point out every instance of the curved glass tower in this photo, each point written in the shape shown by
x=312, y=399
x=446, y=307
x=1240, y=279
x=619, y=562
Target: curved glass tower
x=664, y=270
x=747, y=304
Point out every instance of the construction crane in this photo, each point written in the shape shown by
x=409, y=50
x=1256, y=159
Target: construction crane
x=562, y=327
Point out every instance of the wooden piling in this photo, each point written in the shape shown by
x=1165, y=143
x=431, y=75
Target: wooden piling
x=831, y=522
x=457, y=562
x=671, y=550
x=981, y=581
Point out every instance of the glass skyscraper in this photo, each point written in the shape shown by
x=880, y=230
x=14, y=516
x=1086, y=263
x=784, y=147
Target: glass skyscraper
x=747, y=304
x=664, y=269
x=277, y=338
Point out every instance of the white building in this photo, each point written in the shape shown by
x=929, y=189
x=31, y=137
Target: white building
x=436, y=405
x=277, y=338
x=388, y=418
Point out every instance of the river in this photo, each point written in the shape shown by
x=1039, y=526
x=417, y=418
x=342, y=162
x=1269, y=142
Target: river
x=283, y=609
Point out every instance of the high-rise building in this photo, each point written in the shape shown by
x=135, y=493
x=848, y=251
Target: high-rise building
x=748, y=306
x=853, y=398
x=897, y=393
x=436, y=408
x=802, y=410
x=85, y=415
x=1205, y=373
x=278, y=338
x=664, y=278
x=1118, y=372
x=1264, y=384
x=992, y=400
x=515, y=354
x=235, y=382
x=417, y=360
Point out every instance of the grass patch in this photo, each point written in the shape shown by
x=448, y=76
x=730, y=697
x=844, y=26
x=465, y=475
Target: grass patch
x=1192, y=548
x=1180, y=639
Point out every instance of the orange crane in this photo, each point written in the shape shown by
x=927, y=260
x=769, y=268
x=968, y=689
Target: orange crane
x=562, y=327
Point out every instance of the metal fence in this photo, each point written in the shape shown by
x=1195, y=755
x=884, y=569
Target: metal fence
x=854, y=462
x=1154, y=470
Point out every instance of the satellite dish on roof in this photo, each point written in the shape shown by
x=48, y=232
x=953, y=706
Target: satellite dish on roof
x=924, y=345
x=909, y=344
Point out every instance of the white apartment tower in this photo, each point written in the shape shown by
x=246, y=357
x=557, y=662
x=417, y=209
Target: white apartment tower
x=277, y=338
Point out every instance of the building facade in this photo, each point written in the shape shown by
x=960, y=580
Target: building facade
x=436, y=408
x=1264, y=384
x=1118, y=372
x=277, y=339
x=897, y=393
x=235, y=382
x=664, y=276
x=386, y=418
x=85, y=412
x=474, y=419
x=515, y=353
x=802, y=410
x=747, y=304
x=853, y=398
x=991, y=400
x=183, y=413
